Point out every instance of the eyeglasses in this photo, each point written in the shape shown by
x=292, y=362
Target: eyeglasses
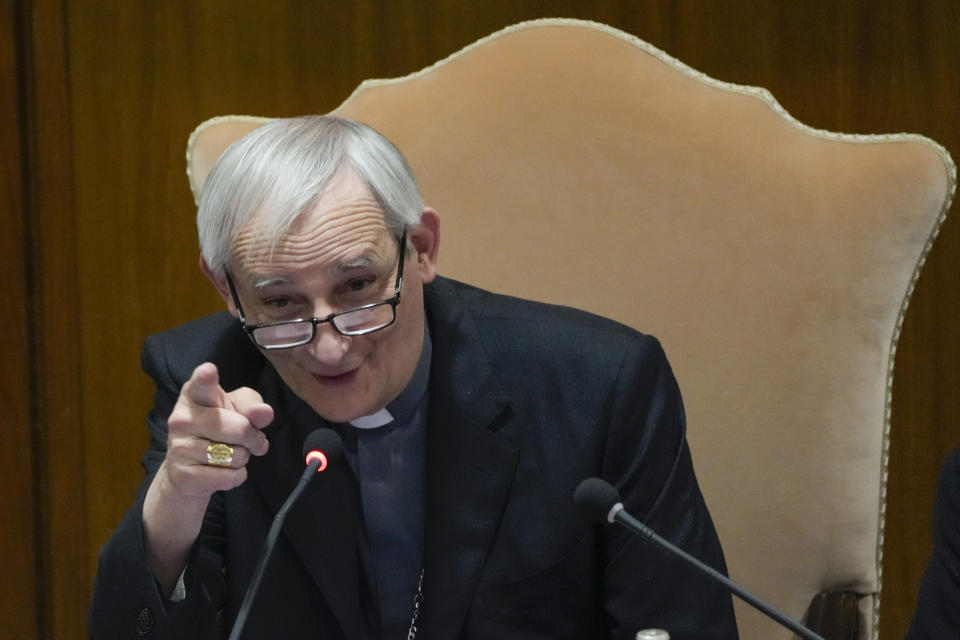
x=359, y=321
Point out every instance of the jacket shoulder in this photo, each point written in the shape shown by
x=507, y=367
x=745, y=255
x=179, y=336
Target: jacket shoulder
x=517, y=323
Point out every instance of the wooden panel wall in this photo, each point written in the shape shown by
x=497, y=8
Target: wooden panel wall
x=62, y=577
x=99, y=97
x=18, y=545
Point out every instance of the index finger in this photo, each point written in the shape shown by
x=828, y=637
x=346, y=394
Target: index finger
x=203, y=388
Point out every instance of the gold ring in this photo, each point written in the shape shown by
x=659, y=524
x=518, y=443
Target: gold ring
x=219, y=454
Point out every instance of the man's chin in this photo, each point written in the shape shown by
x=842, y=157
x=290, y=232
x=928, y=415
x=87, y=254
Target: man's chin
x=340, y=414
x=345, y=403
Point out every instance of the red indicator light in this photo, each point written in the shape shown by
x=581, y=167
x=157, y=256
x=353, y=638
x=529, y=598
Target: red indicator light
x=317, y=455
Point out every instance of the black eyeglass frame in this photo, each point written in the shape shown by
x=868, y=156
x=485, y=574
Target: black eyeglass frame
x=315, y=322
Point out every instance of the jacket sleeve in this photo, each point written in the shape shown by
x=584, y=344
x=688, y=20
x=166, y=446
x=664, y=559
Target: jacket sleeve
x=938, y=604
x=647, y=459
x=127, y=601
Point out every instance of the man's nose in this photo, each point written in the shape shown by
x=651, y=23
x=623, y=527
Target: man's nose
x=328, y=345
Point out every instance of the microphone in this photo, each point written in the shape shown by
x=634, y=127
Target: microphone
x=323, y=446
x=600, y=502
x=320, y=449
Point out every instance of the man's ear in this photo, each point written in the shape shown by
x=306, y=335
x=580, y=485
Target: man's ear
x=219, y=282
x=426, y=240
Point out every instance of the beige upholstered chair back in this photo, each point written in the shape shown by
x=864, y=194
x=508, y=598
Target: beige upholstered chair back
x=573, y=163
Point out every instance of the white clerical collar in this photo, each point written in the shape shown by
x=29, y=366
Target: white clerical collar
x=374, y=420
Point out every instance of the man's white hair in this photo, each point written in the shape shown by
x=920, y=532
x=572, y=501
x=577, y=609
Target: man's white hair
x=275, y=172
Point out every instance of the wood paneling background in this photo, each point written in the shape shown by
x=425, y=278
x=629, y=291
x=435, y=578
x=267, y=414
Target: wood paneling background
x=18, y=543
x=99, y=249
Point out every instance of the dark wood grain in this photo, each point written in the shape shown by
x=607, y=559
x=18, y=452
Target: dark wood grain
x=63, y=569
x=18, y=543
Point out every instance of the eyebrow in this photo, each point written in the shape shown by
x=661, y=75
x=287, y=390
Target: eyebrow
x=263, y=282
x=360, y=262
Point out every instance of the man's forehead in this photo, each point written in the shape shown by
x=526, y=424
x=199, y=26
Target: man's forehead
x=338, y=232
x=344, y=196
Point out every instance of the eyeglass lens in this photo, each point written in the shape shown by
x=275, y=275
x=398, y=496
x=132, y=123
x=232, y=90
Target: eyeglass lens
x=354, y=322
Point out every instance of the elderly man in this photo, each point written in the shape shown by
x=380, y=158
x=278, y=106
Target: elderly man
x=468, y=420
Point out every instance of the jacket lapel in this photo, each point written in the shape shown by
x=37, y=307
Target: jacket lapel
x=322, y=526
x=469, y=468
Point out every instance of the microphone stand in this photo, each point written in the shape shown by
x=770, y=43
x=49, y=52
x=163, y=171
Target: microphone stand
x=619, y=515
x=268, y=545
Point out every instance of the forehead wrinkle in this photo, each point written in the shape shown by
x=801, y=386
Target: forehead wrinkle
x=357, y=220
x=359, y=243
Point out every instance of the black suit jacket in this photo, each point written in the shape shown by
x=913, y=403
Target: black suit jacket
x=938, y=605
x=525, y=401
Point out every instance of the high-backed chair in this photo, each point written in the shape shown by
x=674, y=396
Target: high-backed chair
x=574, y=163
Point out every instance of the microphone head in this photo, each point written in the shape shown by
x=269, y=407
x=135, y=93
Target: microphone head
x=595, y=498
x=324, y=445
